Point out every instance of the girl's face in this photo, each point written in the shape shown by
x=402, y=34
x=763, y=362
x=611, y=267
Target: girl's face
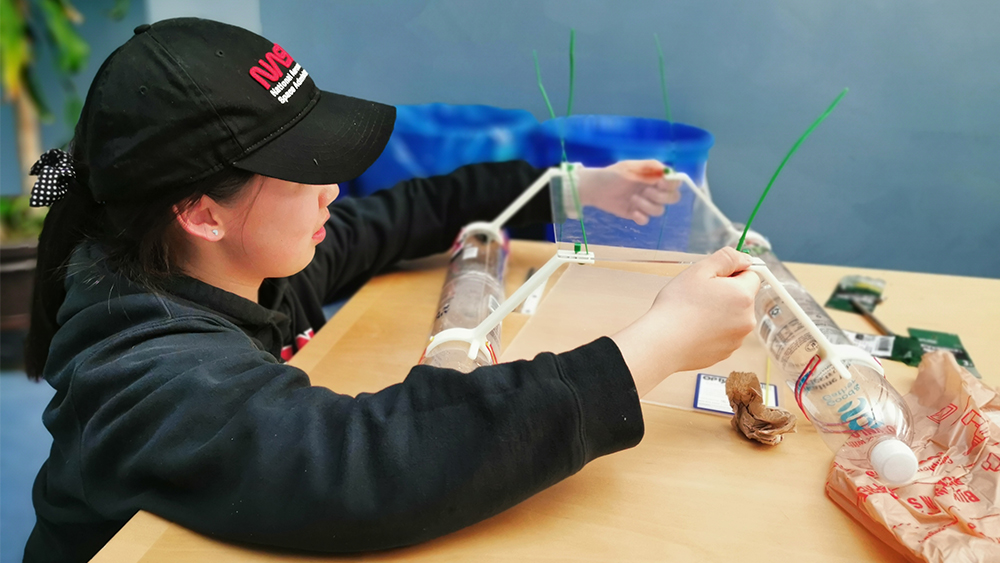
x=281, y=226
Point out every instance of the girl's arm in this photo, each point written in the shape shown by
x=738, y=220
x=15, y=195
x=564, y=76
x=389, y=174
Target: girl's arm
x=415, y=218
x=227, y=443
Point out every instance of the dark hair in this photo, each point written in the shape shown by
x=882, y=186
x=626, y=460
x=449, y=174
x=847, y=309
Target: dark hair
x=134, y=234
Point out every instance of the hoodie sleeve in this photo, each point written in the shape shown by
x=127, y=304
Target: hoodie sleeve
x=218, y=438
x=416, y=218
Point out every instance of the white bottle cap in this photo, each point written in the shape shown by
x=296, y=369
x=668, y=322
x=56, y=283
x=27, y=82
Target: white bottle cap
x=894, y=461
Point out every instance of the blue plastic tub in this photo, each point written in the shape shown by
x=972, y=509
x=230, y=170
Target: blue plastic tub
x=433, y=139
x=601, y=140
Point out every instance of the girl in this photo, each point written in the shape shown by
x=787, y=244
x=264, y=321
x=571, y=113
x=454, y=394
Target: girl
x=189, y=248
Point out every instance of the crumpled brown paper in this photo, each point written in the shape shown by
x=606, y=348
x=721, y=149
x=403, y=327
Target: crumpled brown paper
x=950, y=513
x=750, y=416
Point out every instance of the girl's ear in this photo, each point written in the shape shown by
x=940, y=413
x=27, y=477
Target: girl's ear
x=201, y=219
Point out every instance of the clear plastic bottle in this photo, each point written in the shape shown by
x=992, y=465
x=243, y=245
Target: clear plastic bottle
x=861, y=416
x=794, y=347
x=472, y=290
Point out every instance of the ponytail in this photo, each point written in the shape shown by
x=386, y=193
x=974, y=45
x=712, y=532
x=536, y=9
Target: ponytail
x=69, y=221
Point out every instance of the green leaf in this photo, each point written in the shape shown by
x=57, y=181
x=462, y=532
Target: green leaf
x=31, y=86
x=14, y=47
x=20, y=204
x=71, y=13
x=120, y=10
x=6, y=208
x=71, y=50
x=72, y=109
x=20, y=220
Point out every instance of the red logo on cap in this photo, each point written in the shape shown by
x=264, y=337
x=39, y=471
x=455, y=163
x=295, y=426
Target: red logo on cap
x=285, y=83
x=268, y=69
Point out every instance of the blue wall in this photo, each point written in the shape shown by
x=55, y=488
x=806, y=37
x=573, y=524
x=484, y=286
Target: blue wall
x=901, y=176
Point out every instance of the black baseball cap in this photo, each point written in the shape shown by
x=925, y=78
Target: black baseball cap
x=186, y=97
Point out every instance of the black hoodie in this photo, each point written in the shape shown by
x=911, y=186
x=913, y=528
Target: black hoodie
x=177, y=402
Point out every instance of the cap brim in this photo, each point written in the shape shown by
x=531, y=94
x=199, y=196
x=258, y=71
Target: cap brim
x=335, y=142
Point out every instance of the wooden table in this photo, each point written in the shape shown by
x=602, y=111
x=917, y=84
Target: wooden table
x=691, y=491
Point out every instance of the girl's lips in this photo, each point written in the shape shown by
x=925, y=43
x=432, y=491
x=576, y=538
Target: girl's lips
x=319, y=235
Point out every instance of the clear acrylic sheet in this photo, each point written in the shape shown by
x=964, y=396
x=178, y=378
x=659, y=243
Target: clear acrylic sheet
x=685, y=226
x=626, y=253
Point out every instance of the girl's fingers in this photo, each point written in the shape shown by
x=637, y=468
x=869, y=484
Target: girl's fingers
x=671, y=186
x=647, y=207
x=725, y=262
x=640, y=170
x=660, y=196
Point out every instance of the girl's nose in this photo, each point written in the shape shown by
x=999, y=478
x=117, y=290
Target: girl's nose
x=328, y=194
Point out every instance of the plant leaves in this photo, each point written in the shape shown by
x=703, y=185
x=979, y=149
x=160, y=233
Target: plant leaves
x=15, y=50
x=71, y=50
x=6, y=207
x=20, y=220
x=31, y=86
x=72, y=109
x=120, y=10
x=72, y=14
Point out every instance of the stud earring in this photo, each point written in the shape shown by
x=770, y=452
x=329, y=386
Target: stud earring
x=215, y=232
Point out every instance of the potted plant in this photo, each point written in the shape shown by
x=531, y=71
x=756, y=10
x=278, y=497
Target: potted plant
x=25, y=25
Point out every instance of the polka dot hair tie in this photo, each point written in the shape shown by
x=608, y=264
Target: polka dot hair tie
x=54, y=170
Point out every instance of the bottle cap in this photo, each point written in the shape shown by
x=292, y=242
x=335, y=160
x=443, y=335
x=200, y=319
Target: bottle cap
x=894, y=461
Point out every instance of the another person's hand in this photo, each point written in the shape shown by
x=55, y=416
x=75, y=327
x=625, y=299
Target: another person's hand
x=630, y=189
x=696, y=320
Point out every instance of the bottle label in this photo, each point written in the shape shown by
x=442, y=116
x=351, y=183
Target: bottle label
x=766, y=328
x=878, y=346
x=824, y=389
x=857, y=414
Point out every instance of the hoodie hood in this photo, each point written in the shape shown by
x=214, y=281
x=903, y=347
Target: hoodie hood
x=93, y=288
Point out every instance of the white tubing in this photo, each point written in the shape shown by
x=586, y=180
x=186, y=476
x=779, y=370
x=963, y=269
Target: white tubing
x=524, y=198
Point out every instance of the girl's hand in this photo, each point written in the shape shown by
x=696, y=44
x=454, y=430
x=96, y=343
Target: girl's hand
x=697, y=320
x=630, y=189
